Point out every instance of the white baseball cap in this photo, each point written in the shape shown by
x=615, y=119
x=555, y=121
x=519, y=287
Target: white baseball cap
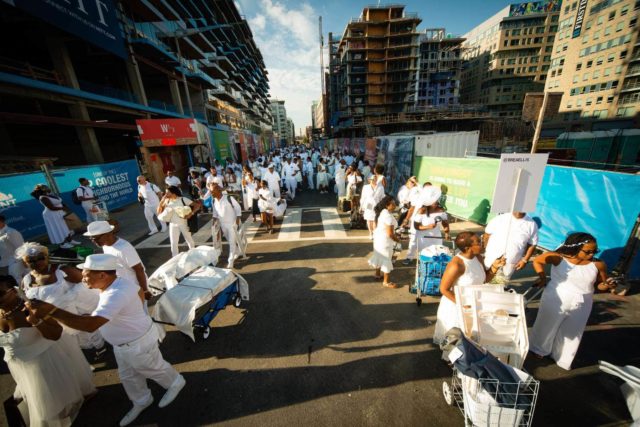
x=270, y=166
x=99, y=262
x=97, y=228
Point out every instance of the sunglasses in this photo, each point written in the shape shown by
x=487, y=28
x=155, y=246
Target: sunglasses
x=32, y=260
x=595, y=251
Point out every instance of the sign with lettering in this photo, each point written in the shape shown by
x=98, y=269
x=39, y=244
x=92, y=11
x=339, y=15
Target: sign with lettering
x=518, y=182
x=577, y=27
x=95, y=21
x=167, y=132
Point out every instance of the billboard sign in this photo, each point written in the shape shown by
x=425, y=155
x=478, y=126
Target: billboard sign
x=577, y=27
x=168, y=132
x=534, y=7
x=94, y=21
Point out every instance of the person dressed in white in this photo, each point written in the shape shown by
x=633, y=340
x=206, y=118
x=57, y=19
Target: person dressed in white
x=366, y=171
x=172, y=180
x=84, y=193
x=267, y=206
x=52, y=375
x=384, y=240
x=228, y=212
x=372, y=194
x=59, y=285
x=308, y=172
x=291, y=170
x=354, y=181
x=174, y=204
x=130, y=265
x=341, y=178
x=10, y=240
x=251, y=188
x=513, y=236
x=125, y=325
x=214, y=177
x=53, y=215
x=420, y=225
x=464, y=269
x=322, y=178
x=567, y=299
x=151, y=195
x=405, y=193
x=273, y=179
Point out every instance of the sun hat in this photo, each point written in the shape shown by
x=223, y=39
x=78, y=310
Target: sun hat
x=430, y=195
x=97, y=228
x=99, y=262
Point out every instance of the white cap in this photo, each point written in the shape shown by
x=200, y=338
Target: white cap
x=97, y=228
x=99, y=262
x=271, y=166
x=430, y=195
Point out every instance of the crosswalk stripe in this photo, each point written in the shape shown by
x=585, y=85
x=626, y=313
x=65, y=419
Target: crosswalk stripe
x=332, y=224
x=204, y=233
x=290, y=227
x=153, y=241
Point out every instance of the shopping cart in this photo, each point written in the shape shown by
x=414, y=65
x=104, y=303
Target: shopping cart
x=99, y=209
x=432, y=262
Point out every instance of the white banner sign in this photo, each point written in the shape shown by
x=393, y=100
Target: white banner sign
x=518, y=182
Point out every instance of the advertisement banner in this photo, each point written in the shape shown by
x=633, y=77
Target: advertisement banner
x=220, y=144
x=168, y=132
x=113, y=183
x=532, y=7
x=577, y=26
x=396, y=154
x=23, y=212
x=93, y=21
x=371, y=151
x=467, y=184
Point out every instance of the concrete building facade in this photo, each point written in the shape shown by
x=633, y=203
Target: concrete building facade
x=596, y=59
x=509, y=55
x=282, y=125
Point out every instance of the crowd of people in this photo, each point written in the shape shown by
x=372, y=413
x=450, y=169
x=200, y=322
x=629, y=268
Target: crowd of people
x=49, y=312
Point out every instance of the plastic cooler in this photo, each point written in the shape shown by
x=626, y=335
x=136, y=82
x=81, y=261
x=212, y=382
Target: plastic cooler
x=432, y=262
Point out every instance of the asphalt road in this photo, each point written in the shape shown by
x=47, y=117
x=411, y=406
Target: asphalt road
x=321, y=342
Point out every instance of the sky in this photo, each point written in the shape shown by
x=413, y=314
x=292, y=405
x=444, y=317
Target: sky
x=286, y=32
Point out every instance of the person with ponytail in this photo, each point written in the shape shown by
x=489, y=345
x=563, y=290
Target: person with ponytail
x=568, y=297
x=384, y=239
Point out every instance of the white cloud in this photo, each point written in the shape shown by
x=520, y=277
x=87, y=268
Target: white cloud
x=288, y=39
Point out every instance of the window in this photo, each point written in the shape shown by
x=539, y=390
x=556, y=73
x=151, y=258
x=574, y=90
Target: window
x=546, y=58
x=609, y=99
x=579, y=103
x=589, y=23
x=553, y=73
x=619, y=27
x=550, y=39
x=560, y=72
x=619, y=69
x=585, y=76
x=589, y=64
x=612, y=15
x=623, y=54
x=611, y=57
x=578, y=66
x=632, y=23
x=575, y=78
x=596, y=74
x=585, y=38
x=607, y=71
x=607, y=31
x=596, y=35
x=600, y=20
x=548, y=49
x=599, y=100
x=599, y=60
x=624, y=10
x=588, y=102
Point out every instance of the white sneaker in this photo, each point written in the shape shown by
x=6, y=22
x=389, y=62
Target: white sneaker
x=152, y=233
x=75, y=242
x=66, y=246
x=134, y=412
x=172, y=392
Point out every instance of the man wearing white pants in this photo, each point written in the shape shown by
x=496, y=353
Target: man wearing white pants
x=291, y=170
x=273, y=180
x=151, y=195
x=308, y=172
x=125, y=325
x=227, y=211
x=86, y=197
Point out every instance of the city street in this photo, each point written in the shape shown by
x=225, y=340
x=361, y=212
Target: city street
x=320, y=340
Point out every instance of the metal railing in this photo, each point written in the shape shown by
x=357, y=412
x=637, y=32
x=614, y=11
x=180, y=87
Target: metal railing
x=25, y=69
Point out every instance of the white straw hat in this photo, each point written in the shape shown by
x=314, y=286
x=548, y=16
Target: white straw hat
x=99, y=262
x=97, y=228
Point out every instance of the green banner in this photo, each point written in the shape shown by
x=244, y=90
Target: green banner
x=467, y=184
x=220, y=143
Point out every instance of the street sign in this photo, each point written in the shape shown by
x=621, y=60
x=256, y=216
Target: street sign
x=518, y=182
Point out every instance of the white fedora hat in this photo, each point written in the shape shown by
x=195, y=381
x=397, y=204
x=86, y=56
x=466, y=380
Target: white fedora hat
x=97, y=228
x=99, y=262
x=430, y=195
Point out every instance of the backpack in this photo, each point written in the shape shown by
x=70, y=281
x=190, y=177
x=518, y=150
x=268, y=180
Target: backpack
x=74, y=196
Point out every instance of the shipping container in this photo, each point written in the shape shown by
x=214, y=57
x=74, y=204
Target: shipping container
x=447, y=144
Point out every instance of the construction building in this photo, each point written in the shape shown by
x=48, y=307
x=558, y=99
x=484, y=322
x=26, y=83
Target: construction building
x=509, y=55
x=83, y=73
x=440, y=68
x=596, y=60
x=374, y=70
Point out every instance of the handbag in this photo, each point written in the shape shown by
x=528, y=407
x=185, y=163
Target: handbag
x=166, y=215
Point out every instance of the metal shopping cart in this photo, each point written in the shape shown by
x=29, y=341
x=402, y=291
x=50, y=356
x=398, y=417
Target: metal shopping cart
x=487, y=391
x=432, y=261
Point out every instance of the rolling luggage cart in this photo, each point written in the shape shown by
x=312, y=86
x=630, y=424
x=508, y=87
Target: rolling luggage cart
x=432, y=262
x=100, y=210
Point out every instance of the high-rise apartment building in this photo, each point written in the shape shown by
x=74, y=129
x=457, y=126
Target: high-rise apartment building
x=440, y=68
x=596, y=59
x=509, y=55
x=376, y=64
x=281, y=124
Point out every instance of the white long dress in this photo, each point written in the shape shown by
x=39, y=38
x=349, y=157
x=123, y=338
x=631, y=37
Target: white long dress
x=75, y=298
x=54, y=221
x=474, y=274
x=323, y=177
x=53, y=377
x=370, y=197
x=266, y=201
x=382, y=243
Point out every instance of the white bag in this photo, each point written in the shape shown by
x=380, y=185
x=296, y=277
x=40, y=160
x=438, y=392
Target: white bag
x=166, y=215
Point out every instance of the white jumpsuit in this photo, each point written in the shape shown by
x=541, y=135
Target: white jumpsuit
x=564, y=310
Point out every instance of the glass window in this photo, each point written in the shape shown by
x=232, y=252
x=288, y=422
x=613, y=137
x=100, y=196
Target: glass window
x=585, y=38
x=578, y=66
x=612, y=15
x=607, y=71
x=611, y=57
x=599, y=60
x=589, y=64
x=607, y=31
x=585, y=76
x=619, y=27
x=624, y=10
x=575, y=78
x=600, y=20
x=599, y=100
x=596, y=35
x=596, y=74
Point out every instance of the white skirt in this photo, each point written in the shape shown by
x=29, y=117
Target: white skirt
x=56, y=227
x=369, y=215
x=445, y=319
x=382, y=257
x=323, y=180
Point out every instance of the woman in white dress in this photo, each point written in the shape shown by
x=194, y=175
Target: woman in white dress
x=251, y=192
x=372, y=194
x=384, y=239
x=323, y=178
x=433, y=236
x=354, y=180
x=52, y=375
x=61, y=286
x=465, y=269
x=379, y=174
x=568, y=297
x=53, y=215
x=174, y=204
x=232, y=180
x=266, y=205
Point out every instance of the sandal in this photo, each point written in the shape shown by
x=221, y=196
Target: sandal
x=390, y=285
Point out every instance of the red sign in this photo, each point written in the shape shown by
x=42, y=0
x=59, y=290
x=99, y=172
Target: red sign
x=167, y=132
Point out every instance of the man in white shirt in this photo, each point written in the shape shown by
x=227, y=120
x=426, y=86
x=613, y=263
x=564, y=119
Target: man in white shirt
x=125, y=325
x=130, y=265
x=228, y=212
x=513, y=236
x=151, y=195
x=214, y=177
x=405, y=194
x=171, y=179
x=273, y=179
x=290, y=171
x=86, y=197
x=308, y=172
x=10, y=240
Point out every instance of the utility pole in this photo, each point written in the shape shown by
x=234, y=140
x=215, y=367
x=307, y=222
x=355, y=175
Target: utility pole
x=322, y=89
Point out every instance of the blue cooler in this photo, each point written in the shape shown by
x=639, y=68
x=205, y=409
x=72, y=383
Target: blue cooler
x=428, y=274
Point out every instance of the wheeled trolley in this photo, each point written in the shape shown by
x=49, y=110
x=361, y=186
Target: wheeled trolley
x=99, y=209
x=432, y=262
